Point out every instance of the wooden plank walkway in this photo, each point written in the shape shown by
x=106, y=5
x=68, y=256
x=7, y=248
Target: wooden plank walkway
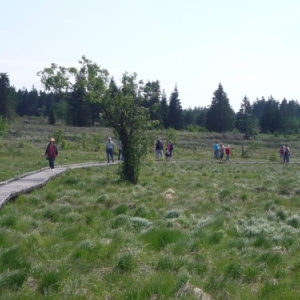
x=30, y=181
x=23, y=184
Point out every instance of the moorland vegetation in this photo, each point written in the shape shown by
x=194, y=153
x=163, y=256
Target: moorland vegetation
x=188, y=228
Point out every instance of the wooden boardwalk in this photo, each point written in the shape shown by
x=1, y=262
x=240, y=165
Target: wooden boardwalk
x=23, y=184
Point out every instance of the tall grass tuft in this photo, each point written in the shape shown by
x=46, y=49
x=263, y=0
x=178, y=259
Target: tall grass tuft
x=12, y=279
x=126, y=263
x=49, y=282
x=159, y=238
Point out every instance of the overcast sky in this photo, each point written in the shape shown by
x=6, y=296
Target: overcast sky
x=251, y=47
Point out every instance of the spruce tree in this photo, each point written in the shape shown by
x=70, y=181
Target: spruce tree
x=220, y=117
x=270, y=116
x=51, y=117
x=286, y=123
x=151, y=95
x=7, y=101
x=175, y=111
x=164, y=110
x=244, y=118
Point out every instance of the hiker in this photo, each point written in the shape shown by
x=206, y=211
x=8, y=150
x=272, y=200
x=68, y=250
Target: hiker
x=51, y=153
x=228, y=152
x=287, y=153
x=120, y=148
x=216, y=150
x=170, y=148
x=222, y=151
x=281, y=152
x=110, y=149
x=168, y=154
x=159, y=148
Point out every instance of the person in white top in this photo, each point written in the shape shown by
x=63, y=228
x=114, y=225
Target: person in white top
x=110, y=149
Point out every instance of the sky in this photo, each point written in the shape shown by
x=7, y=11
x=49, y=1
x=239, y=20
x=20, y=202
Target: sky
x=251, y=47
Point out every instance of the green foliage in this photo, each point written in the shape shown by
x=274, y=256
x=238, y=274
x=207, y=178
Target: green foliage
x=157, y=239
x=12, y=279
x=121, y=209
x=175, y=111
x=126, y=263
x=9, y=221
x=51, y=117
x=7, y=103
x=49, y=281
x=294, y=221
x=57, y=135
x=3, y=125
x=131, y=121
x=273, y=156
x=171, y=134
x=234, y=231
x=220, y=117
x=91, y=142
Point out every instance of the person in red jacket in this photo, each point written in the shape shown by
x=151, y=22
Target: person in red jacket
x=51, y=153
x=228, y=152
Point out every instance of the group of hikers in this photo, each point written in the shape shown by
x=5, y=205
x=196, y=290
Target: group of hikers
x=284, y=154
x=220, y=151
x=110, y=146
x=159, y=150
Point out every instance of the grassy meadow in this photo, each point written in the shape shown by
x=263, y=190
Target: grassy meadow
x=191, y=229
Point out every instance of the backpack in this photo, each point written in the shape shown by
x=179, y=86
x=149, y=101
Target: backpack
x=171, y=147
x=52, y=151
x=282, y=151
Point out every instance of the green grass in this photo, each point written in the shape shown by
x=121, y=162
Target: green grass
x=230, y=230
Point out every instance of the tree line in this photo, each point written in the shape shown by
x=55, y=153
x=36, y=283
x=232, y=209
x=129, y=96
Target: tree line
x=72, y=108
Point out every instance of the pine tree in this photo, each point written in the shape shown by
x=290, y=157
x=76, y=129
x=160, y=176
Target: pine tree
x=270, y=116
x=286, y=122
x=220, y=117
x=151, y=95
x=51, y=117
x=244, y=118
x=164, y=110
x=7, y=100
x=175, y=111
x=79, y=113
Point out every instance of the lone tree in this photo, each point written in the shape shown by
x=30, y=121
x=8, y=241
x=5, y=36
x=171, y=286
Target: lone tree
x=121, y=107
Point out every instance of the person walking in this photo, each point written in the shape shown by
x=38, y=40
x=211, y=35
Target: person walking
x=159, y=149
x=287, y=153
x=216, y=150
x=222, y=152
x=51, y=153
x=168, y=155
x=228, y=152
x=110, y=149
x=281, y=152
x=170, y=149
